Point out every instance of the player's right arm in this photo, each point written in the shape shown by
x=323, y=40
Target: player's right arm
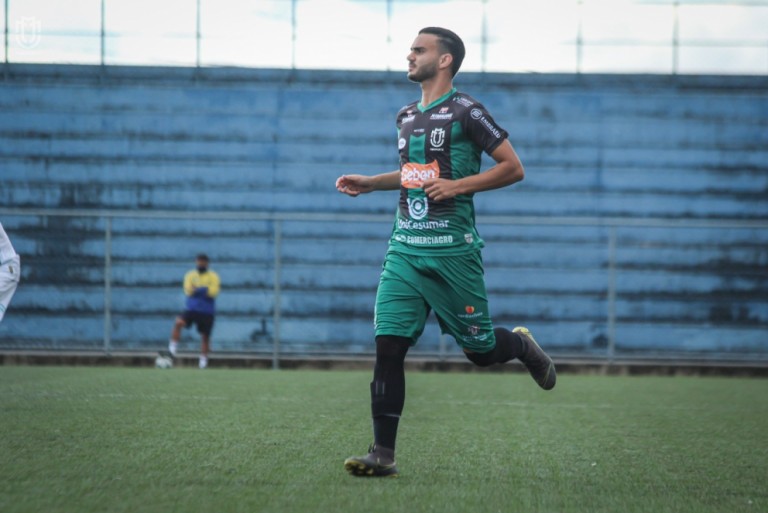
x=354, y=185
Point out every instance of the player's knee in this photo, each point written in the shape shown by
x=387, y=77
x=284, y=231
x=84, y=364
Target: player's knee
x=390, y=355
x=481, y=359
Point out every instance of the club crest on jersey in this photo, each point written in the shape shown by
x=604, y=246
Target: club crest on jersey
x=417, y=208
x=437, y=137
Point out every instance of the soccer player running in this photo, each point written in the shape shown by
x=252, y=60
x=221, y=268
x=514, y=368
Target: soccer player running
x=433, y=261
x=201, y=286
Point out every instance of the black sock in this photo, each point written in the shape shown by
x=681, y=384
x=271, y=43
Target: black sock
x=385, y=431
x=509, y=345
x=388, y=388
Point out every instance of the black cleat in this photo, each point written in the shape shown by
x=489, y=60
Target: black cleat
x=539, y=364
x=167, y=354
x=371, y=465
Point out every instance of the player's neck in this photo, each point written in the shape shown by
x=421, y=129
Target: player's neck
x=435, y=88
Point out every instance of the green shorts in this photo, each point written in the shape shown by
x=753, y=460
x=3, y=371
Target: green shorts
x=453, y=286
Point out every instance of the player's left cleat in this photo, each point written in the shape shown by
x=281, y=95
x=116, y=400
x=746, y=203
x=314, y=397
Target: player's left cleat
x=539, y=364
x=373, y=464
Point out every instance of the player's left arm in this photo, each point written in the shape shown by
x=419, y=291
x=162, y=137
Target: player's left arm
x=214, y=285
x=508, y=170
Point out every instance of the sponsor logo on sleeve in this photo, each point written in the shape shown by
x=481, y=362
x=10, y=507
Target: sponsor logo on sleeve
x=478, y=114
x=492, y=129
x=463, y=101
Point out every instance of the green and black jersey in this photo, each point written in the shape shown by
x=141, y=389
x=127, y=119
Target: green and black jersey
x=444, y=139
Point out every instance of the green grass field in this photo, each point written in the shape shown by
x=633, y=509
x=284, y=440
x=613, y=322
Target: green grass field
x=87, y=439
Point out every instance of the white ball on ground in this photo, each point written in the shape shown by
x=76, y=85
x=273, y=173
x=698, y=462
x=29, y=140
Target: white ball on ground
x=163, y=362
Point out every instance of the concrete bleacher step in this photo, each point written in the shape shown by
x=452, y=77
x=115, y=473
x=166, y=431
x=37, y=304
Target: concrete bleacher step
x=685, y=180
x=625, y=132
x=533, y=202
x=151, y=140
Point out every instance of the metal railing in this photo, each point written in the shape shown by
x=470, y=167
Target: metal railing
x=278, y=219
x=24, y=29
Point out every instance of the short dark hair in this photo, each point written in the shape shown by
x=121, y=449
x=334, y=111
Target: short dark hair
x=449, y=42
x=202, y=256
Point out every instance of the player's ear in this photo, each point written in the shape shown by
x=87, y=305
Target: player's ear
x=446, y=60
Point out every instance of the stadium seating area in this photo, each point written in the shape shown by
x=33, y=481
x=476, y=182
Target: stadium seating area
x=641, y=227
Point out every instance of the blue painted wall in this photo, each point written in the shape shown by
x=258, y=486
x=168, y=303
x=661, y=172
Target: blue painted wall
x=684, y=149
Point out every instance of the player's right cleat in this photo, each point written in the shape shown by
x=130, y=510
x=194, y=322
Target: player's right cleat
x=371, y=465
x=539, y=364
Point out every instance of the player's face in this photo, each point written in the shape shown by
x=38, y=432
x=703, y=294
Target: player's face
x=424, y=58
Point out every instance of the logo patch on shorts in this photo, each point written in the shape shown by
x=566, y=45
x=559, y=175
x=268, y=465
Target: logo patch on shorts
x=470, y=312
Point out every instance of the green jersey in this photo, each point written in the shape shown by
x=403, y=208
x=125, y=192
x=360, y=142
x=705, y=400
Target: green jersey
x=444, y=139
